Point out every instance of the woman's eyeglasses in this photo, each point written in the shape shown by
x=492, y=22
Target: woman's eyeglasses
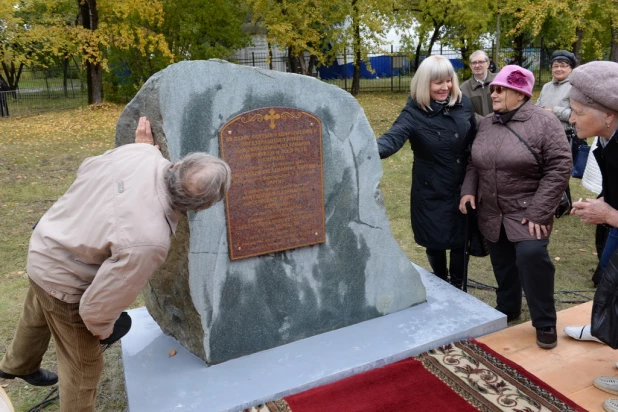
x=559, y=66
x=497, y=89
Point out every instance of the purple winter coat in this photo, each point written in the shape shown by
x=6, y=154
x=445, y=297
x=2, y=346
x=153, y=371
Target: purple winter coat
x=505, y=177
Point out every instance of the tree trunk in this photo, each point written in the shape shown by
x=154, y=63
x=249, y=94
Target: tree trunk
x=465, y=57
x=357, y=50
x=357, y=71
x=95, y=95
x=434, y=37
x=613, y=55
x=519, y=49
x=94, y=71
x=312, y=60
x=302, y=64
x=65, y=76
x=577, y=46
x=12, y=74
x=417, y=55
x=292, y=61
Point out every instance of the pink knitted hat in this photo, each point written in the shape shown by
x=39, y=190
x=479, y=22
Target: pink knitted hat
x=516, y=78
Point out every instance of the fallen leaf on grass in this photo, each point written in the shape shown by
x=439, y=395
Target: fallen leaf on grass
x=172, y=352
x=582, y=250
x=557, y=258
x=595, y=253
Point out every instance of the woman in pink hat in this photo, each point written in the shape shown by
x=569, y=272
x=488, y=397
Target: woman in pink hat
x=519, y=168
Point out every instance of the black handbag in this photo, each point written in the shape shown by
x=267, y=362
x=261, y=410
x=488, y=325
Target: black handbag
x=564, y=205
x=605, y=306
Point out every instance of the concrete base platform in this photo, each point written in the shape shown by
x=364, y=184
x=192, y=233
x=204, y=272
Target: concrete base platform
x=157, y=382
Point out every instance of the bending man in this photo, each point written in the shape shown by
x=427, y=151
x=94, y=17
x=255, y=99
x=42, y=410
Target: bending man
x=94, y=250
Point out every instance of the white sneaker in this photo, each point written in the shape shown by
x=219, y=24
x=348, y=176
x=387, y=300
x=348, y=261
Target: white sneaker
x=608, y=384
x=580, y=333
x=611, y=405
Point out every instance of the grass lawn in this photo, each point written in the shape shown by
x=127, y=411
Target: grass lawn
x=39, y=156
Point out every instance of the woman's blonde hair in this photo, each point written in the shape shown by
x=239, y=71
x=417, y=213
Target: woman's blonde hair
x=433, y=68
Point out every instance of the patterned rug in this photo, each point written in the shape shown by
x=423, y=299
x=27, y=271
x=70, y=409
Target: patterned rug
x=463, y=376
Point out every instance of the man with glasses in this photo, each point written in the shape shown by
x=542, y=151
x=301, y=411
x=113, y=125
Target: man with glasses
x=477, y=87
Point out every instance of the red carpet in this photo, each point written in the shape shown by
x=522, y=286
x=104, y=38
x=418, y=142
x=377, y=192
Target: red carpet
x=464, y=376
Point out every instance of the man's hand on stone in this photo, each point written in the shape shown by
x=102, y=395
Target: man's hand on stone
x=143, y=133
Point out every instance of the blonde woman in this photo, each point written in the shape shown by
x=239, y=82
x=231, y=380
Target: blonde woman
x=439, y=123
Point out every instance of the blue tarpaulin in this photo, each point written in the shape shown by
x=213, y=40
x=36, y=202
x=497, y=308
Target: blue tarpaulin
x=381, y=66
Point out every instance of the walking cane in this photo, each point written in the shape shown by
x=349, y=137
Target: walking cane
x=469, y=216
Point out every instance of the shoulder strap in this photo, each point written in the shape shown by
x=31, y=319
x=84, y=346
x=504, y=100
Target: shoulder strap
x=537, y=156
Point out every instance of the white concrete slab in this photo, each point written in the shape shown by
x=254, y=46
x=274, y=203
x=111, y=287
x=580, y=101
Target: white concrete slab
x=157, y=382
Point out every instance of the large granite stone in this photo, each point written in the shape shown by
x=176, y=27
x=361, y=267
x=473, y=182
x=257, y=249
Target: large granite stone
x=221, y=309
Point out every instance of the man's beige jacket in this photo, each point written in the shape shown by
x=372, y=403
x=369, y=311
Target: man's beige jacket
x=103, y=239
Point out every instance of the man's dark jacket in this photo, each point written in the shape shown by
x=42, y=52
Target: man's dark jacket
x=440, y=139
x=607, y=158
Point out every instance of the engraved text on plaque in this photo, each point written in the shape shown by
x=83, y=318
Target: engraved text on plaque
x=276, y=201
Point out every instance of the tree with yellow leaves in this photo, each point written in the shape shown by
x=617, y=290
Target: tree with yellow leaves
x=323, y=29
x=299, y=26
x=587, y=27
x=460, y=24
x=39, y=30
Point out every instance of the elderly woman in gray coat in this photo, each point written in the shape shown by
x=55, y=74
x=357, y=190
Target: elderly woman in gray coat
x=519, y=167
x=554, y=96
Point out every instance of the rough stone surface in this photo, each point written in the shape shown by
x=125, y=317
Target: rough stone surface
x=221, y=309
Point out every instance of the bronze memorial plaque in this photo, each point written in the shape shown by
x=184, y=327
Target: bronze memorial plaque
x=276, y=201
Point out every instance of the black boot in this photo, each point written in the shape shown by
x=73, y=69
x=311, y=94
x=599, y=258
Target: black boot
x=437, y=261
x=457, y=267
x=546, y=337
x=41, y=377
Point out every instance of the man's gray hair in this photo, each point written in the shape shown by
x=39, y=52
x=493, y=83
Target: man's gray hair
x=198, y=182
x=478, y=52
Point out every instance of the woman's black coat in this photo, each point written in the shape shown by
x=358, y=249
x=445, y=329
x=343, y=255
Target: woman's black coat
x=441, y=139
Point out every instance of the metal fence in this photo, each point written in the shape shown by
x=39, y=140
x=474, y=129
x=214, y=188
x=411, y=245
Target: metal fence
x=62, y=88
x=41, y=90
x=393, y=69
